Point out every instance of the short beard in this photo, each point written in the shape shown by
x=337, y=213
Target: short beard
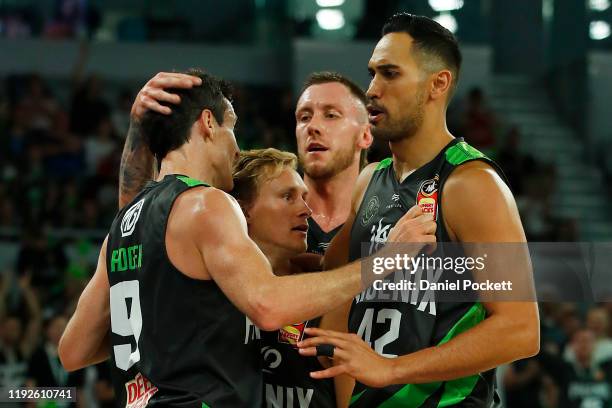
x=342, y=161
x=405, y=127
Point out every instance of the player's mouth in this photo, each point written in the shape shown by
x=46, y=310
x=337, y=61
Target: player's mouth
x=375, y=113
x=302, y=228
x=316, y=148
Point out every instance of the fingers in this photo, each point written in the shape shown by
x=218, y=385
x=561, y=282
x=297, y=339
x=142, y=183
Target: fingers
x=328, y=373
x=413, y=212
x=315, y=341
x=173, y=80
x=147, y=103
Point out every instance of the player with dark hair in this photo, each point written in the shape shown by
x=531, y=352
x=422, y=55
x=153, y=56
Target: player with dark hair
x=333, y=134
x=178, y=273
x=424, y=353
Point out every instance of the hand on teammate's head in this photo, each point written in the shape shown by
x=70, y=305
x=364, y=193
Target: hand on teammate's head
x=153, y=92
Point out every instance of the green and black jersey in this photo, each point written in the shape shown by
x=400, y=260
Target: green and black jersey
x=396, y=328
x=318, y=240
x=286, y=373
x=175, y=341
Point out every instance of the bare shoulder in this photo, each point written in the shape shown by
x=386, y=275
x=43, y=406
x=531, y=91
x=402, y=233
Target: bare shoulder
x=475, y=180
x=479, y=206
x=206, y=208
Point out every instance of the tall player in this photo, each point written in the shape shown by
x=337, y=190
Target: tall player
x=170, y=285
x=425, y=354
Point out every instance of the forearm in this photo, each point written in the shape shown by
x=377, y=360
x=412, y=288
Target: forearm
x=495, y=341
x=302, y=297
x=136, y=167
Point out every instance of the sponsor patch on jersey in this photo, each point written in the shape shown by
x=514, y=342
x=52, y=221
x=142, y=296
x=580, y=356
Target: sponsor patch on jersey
x=128, y=223
x=139, y=391
x=291, y=334
x=427, y=197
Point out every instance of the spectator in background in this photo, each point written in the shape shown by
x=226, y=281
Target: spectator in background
x=45, y=368
x=19, y=337
x=579, y=383
x=598, y=322
x=45, y=263
x=100, y=145
x=478, y=122
x=88, y=106
x=39, y=106
x=121, y=114
x=516, y=165
x=522, y=384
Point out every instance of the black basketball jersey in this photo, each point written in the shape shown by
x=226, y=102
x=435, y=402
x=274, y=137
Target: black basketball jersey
x=175, y=341
x=286, y=374
x=318, y=240
x=396, y=328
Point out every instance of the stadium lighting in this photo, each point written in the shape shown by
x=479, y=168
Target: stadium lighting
x=599, y=30
x=330, y=3
x=448, y=21
x=445, y=5
x=330, y=19
x=599, y=5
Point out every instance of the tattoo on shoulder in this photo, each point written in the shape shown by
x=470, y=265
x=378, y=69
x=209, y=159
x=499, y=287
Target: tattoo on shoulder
x=136, y=165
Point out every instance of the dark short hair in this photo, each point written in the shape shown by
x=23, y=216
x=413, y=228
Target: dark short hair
x=326, y=77
x=165, y=133
x=430, y=38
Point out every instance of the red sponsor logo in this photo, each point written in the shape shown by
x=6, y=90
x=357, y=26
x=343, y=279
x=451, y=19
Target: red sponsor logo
x=139, y=391
x=427, y=197
x=291, y=334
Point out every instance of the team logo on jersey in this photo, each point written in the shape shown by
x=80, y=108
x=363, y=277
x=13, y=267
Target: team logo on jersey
x=379, y=235
x=395, y=198
x=128, y=223
x=427, y=197
x=139, y=391
x=370, y=211
x=291, y=334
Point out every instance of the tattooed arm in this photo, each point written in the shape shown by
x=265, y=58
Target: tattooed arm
x=137, y=163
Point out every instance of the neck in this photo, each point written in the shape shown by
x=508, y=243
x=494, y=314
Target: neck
x=327, y=198
x=419, y=149
x=179, y=162
x=279, y=259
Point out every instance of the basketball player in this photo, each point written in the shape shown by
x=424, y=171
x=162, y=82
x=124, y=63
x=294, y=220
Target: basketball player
x=179, y=273
x=424, y=354
x=333, y=133
x=273, y=198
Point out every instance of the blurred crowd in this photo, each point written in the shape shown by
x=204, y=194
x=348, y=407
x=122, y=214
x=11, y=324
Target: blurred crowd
x=59, y=159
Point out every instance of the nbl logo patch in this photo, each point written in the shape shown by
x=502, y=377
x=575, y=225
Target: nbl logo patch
x=427, y=197
x=128, y=223
x=291, y=334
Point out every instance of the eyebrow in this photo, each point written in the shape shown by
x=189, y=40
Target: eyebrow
x=384, y=66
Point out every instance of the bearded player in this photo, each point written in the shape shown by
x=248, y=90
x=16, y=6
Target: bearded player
x=424, y=354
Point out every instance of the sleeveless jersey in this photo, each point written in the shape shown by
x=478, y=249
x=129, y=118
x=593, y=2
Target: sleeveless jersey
x=395, y=328
x=175, y=341
x=318, y=240
x=286, y=373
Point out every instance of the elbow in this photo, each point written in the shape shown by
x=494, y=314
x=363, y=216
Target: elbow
x=67, y=356
x=265, y=315
x=527, y=337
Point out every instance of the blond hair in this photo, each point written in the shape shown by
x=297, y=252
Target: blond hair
x=255, y=166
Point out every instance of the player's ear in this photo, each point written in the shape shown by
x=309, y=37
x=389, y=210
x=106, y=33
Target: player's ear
x=365, y=139
x=440, y=84
x=207, y=123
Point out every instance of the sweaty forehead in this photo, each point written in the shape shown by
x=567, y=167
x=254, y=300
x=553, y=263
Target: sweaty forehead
x=327, y=94
x=394, y=49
